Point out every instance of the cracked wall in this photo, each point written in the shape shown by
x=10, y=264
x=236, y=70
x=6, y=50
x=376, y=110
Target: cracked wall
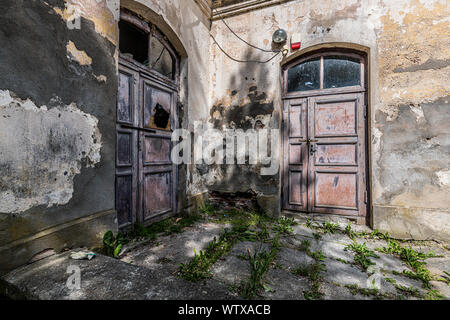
x=408, y=45
x=42, y=151
x=58, y=87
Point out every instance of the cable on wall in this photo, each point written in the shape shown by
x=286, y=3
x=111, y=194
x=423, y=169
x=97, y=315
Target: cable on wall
x=244, y=61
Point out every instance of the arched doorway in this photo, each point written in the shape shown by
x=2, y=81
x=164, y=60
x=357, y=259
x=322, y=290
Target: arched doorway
x=324, y=134
x=146, y=178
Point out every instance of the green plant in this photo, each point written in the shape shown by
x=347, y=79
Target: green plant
x=112, y=245
x=208, y=208
x=329, y=227
x=362, y=254
x=409, y=291
x=284, y=225
x=259, y=263
x=304, y=245
x=313, y=272
x=198, y=268
x=317, y=236
x=343, y=261
x=354, y=289
x=414, y=259
x=434, y=294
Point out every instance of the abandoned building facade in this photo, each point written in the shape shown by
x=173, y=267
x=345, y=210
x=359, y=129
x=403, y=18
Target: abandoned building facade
x=91, y=91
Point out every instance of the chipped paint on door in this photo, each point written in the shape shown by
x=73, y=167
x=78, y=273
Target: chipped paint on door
x=324, y=145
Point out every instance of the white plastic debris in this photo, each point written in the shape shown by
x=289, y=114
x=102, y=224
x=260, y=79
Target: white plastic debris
x=81, y=255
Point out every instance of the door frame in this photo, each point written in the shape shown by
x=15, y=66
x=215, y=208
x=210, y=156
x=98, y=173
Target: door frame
x=324, y=49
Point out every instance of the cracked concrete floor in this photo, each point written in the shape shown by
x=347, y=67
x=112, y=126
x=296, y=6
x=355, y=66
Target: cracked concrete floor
x=308, y=264
x=341, y=277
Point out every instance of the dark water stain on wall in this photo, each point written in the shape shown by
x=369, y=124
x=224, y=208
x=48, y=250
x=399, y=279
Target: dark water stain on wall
x=238, y=114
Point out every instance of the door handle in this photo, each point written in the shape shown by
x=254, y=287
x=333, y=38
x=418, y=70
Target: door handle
x=312, y=148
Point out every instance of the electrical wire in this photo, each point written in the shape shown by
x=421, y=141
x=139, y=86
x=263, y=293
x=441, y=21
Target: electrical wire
x=244, y=61
x=237, y=36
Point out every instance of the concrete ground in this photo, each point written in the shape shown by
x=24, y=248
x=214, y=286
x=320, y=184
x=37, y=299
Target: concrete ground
x=309, y=261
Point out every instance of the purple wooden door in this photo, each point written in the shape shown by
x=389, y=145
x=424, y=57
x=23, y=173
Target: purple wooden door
x=337, y=154
x=324, y=135
x=157, y=173
x=324, y=154
x=127, y=147
x=145, y=174
x=295, y=157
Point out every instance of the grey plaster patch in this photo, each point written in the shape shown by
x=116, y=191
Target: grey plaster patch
x=42, y=151
x=302, y=230
x=438, y=265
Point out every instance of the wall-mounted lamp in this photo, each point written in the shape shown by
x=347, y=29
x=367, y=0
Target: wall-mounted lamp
x=279, y=36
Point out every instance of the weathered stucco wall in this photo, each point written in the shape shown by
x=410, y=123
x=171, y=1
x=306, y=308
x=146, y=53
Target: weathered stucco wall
x=58, y=87
x=408, y=44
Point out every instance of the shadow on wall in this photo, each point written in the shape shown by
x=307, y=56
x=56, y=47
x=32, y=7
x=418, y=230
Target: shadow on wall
x=247, y=105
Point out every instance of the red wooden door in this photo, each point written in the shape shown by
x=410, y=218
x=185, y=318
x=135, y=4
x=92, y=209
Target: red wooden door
x=324, y=136
x=324, y=154
x=295, y=159
x=336, y=166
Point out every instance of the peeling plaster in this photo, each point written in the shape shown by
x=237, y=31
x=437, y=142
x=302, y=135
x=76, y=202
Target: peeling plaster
x=444, y=177
x=80, y=56
x=42, y=152
x=103, y=13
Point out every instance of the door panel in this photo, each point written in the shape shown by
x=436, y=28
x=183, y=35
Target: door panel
x=337, y=153
x=294, y=154
x=324, y=154
x=157, y=173
x=126, y=148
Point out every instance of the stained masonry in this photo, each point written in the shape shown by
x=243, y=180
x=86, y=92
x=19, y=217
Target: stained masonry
x=58, y=92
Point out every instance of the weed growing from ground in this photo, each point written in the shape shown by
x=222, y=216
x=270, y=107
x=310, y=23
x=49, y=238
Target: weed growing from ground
x=362, y=255
x=284, y=225
x=412, y=258
x=199, y=267
x=329, y=227
x=374, y=292
x=312, y=271
x=112, y=245
x=409, y=291
x=259, y=262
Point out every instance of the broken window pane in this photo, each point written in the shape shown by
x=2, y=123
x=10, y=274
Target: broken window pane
x=157, y=106
x=133, y=42
x=161, y=60
x=341, y=71
x=305, y=76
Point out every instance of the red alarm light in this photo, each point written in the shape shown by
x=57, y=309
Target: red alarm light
x=296, y=46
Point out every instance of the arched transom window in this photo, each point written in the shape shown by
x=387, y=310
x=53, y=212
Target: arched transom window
x=325, y=72
x=144, y=45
